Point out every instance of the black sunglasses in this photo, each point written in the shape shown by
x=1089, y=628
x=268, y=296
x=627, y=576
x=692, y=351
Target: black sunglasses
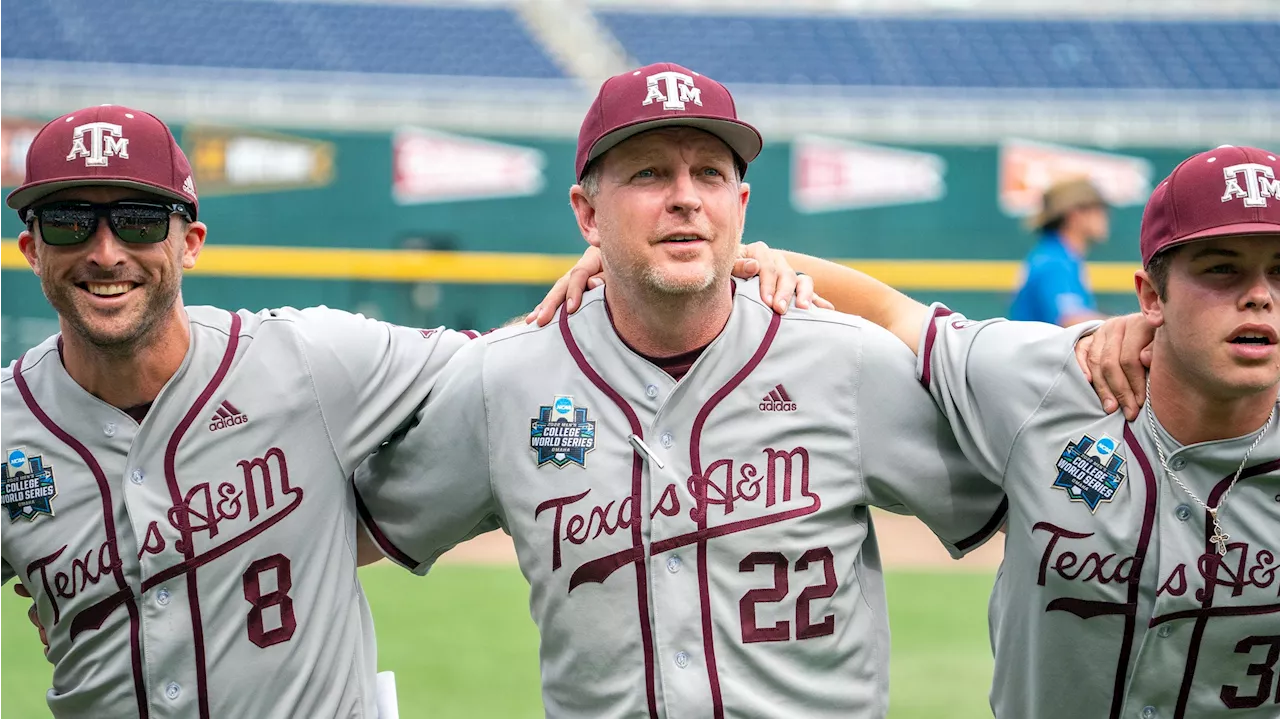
x=133, y=221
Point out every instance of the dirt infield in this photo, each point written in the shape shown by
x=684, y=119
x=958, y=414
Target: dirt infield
x=904, y=543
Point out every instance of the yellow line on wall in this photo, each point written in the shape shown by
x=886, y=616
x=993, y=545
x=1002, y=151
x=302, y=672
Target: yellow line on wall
x=520, y=268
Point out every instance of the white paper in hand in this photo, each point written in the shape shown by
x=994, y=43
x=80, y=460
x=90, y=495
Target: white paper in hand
x=387, y=706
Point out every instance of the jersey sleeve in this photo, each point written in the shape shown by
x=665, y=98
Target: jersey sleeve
x=911, y=462
x=1059, y=289
x=990, y=377
x=370, y=376
x=6, y=572
x=428, y=488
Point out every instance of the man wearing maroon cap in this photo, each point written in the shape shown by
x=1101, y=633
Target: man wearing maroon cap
x=1140, y=573
x=170, y=470
x=686, y=474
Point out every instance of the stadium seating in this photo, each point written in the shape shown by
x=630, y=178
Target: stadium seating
x=394, y=39
x=811, y=52
x=963, y=53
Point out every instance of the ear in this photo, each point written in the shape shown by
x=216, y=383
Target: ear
x=1148, y=299
x=27, y=244
x=193, y=242
x=744, y=196
x=585, y=213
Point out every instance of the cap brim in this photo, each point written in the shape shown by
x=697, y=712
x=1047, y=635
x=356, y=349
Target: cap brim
x=1242, y=228
x=28, y=195
x=742, y=138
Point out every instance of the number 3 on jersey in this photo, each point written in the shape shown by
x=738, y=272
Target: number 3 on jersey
x=279, y=564
x=781, y=631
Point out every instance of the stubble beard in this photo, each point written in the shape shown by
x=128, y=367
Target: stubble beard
x=653, y=281
x=157, y=301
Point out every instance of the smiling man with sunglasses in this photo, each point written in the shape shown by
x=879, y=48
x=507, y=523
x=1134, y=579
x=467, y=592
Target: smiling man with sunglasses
x=176, y=478
x=108, y=300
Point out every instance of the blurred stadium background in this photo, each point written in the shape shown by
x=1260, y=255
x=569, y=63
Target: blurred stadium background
x=409, y=159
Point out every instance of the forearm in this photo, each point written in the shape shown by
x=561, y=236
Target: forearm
x=367, y=551
x=857, y=293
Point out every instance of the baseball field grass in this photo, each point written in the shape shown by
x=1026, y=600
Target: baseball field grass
x=463, y=647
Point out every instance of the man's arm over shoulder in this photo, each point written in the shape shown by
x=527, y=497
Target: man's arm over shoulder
x=428, y=488
x=911, y=462
x=370, y=376
x=856, y=293
x=990, y=377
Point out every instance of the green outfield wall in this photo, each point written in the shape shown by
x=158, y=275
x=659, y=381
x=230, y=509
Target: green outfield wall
x=419, y=191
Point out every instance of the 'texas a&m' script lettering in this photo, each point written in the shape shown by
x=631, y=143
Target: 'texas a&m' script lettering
x=1243, y=566
x=263, y=495
x=1243, y=569
x=259, y=492
x=730, y=496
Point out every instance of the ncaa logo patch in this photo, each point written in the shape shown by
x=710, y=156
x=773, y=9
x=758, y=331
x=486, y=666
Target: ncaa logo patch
x=1090, y=471
x=562, y=434
x=28, y=488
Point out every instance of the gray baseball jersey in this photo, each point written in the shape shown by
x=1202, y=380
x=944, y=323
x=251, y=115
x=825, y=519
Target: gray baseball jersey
x=695, y=548
x=1112, y=601
x=202, y=563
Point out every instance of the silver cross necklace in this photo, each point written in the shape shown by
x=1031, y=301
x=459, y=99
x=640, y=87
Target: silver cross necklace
x=1219, y=537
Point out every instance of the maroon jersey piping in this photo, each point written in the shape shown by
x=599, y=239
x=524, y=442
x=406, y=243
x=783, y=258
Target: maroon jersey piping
x=109, y=526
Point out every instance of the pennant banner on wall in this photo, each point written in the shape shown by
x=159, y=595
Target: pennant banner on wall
x=829, y=174
x=1028, y=168
x=433, y=166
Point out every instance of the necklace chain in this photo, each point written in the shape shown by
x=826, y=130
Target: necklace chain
x=1219, y=537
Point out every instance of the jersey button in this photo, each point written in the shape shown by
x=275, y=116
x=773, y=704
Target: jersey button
x=667, y=440
x=1183, y=512
x=1165, y=630
x=682, y=659
x=109, y=429
x=173, y=691
x=162, y=597
x=136, y=476
x=651, y=391
x=1177, y=465
x=1148, y=712
x=673, y=563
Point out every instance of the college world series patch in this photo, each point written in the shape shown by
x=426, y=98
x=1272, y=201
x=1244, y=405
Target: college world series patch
x=562, y=434
x=28, y=488
x=1090, y=471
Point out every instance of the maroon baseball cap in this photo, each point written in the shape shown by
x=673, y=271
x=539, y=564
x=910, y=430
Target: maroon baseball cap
x=1225, y=191
x=662, y=95
x=105, y=145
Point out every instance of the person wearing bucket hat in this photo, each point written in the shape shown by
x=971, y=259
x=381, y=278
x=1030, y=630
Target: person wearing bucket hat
x=170, y=447
x=1055, y=285
x=1140, y=555
x=686, y=474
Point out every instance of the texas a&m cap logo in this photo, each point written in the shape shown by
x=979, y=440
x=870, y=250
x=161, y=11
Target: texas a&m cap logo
x=1251, y=182
x=1225, y=191
x=105, y=145
x=673, y=89
x=105, y=140
x=663, y=95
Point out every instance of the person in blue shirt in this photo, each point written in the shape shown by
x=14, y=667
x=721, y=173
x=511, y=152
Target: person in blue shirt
x=1055, y=284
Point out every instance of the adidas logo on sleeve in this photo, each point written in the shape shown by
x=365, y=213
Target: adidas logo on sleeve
x=777, y=401
x=227, y=416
